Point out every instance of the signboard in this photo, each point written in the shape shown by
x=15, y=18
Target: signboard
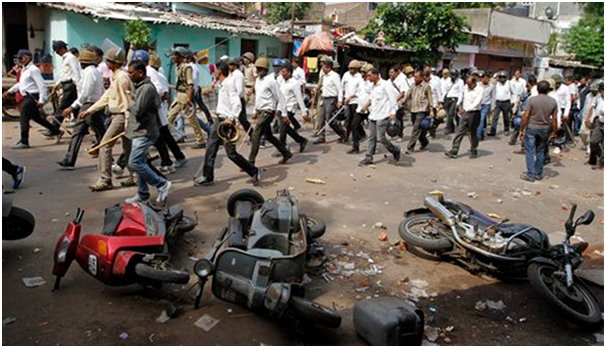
x=502, y=47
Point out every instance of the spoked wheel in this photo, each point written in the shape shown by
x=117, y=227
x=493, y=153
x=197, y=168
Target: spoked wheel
x=576, y=303
x=427, y=232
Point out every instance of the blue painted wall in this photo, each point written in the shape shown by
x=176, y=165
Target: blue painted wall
x=77, y=29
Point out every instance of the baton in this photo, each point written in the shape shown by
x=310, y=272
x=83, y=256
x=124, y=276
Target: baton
x=329, y=121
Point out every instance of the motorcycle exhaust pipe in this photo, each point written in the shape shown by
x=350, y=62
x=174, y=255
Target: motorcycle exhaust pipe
x=440, y=211
x=483, y=252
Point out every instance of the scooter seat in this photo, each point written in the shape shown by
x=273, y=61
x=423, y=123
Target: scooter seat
x=113, y=217
x=269, y=253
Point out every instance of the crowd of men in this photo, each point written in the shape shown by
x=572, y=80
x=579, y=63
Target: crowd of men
x=128, y=100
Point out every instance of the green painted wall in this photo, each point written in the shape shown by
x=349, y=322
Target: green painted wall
x=79, y=29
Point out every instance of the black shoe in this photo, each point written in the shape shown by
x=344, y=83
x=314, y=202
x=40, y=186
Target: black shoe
x=204, y=182
x=319, y=141
x=256, y=179
x=491, y=134
x=474, y=154
x=423, y=147
x=353, y=151
x=303, y=145
x=285, y=158
x=198, y=146
x=65, y=166
x=546, y=161
x=365, y=162
x=47, y=133
x=450, y=154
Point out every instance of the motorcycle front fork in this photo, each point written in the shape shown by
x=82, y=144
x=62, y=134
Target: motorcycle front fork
x=567, y=265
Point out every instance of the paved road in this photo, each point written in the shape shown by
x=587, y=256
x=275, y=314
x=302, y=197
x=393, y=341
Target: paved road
x=85, y=312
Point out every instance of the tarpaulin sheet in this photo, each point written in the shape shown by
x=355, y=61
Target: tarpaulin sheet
x=317, y=42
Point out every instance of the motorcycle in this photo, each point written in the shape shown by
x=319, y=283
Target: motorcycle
x=258, y=260
x=132, y=248
x=17, y=223
x=451, y=230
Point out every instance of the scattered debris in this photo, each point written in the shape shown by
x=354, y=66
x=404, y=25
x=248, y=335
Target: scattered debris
x=500, y=201
x=497, y=306
x=383, y=237
x=37, y=250
x=525, y=192
x=33, y=282
x=480, y=306
x=564, y=207
x=599, y=252
x=349, y=266
x=447, y=340
x=449, y=329
x=315, y=181
x=379, y=225
x=327, y=278
x=522, y=320
x=516, y=195
x=432, y=333
x=418, y=293
x=432, y=309
x=365, y=283
x=54, y=220
x=554, y=187
x=230, y=311
x=493, y=215
x=206, y=322
x=163, y=318
x=151, y=338
x=124, y=336
x=427, y=343
x=472, y=195
x=8, y=321
x=419, y=283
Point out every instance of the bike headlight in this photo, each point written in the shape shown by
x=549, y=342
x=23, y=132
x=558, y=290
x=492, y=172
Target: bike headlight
x=62, y=252
x=203, y=268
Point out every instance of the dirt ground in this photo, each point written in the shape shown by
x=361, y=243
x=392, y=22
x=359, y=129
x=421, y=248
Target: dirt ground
x=85, y=312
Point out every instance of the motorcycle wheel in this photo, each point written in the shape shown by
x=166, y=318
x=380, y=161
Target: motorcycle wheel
x=18, y=224
x=315, y=227
x=165, y=276
x=426, y=231
x=313, y=312
x=10, y=114
x=577, y=304
x=246, y=195
x=186, y=224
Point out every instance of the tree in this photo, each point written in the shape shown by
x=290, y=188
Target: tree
x=422, y=27
x=138, y=34
x=282, y=11
x=479, y=4
x=586, y=39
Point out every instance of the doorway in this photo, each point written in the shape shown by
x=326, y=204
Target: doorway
x=15, y=26
x=249, y=46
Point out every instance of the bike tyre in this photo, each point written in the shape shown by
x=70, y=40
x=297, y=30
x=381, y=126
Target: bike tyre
x=313, y=312
x=590, y=321
x=438, y=245
x=247, y=195
x=186, y=224
x=315, y=227
x=148, y=272
x=18, y=216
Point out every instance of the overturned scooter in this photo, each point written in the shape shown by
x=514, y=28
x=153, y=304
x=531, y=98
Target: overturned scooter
x=258, y=261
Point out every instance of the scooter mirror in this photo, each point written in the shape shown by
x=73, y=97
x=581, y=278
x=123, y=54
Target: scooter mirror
x=203, y=268
x=586, y=219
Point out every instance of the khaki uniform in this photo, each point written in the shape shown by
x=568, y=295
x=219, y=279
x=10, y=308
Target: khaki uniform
x=250, y=75
x=116, y=99
x=184, y=80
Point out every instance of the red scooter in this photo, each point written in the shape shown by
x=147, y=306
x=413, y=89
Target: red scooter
x=132, y=248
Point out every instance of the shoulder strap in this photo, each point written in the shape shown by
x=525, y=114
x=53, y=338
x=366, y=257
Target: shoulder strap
x=394, y=85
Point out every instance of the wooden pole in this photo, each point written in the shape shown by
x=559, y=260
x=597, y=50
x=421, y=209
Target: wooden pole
x=108, y=141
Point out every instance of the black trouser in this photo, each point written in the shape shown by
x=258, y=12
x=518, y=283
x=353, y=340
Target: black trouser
x=94, y=121
x=328, y=107
x=70, y=94
x=400, y=116
x=288, y=129
x=450, y=104
x=596, y=143
x=263, y=127
x=501, y=106
x=9, y=167
x=212, y=147
x=202, y=106
x=243, y=118
x=569, y=123
x=467, y=126
x=357, y=130
x=30, y=111
x=351, y=113
x=171, y=143
x=418, y=133
x=160, y=145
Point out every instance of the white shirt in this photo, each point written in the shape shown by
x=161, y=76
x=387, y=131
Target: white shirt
x=31, y=82
x=445, y=84
x=502, y=91
x=70, y=69
x=104, y=70
x=299, y=75
x=350, y=86
x=517, y=86
x=383, y=100
x=457, y=90
x=163, y=111
x=534, y=91
x=238, y=77
x=599, y=109
x=363, y=94
x=434, y=83
x=291, y=90
x=228, y=103
x=472, y=98
x=554, y=96
x=195, y=73
x=563, y=100
x=154, y=77
x=331, y=86
x=401, y=83
x=268, y=96
x=90, y=88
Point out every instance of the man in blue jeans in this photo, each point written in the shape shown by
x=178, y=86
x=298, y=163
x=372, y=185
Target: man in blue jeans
x=143, y=130
x=488, y=102
x=540, y=118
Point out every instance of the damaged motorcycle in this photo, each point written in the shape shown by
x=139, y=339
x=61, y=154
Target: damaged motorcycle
x=454, y=231
x=134, y=246
x=258, y=260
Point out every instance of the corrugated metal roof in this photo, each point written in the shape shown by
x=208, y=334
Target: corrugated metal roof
x=121, y=11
